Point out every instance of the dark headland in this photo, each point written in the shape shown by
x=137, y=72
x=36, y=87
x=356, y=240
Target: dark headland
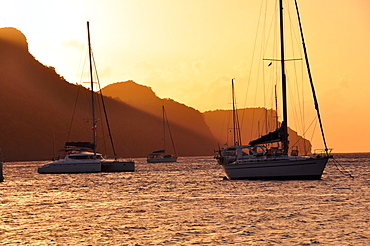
x=40, y=111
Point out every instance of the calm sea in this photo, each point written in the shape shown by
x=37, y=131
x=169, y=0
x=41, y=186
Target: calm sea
x=185, y=203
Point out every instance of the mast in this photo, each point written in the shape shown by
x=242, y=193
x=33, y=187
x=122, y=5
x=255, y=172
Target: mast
x=284, y=124
x=92, y=91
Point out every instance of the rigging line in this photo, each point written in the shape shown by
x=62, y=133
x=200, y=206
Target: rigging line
x=300, y=111
x=313, y=130
x=311, y=80
x=293, y=108
x=291, y=59
x=228, y=128
x=225, y=123
x=104, y=137
x=341, y=169
x=273, y=73
x=76, y=100
x=301, y=137
x=104, y=108
x=263, y=71
x=226, y=120
x=265, y=81
x=92, y=91
x=261, y=50
x=95, y=102
x=299, y=114
x=83, y=59
x=272, y=29
x=169, y=130
x=164, y=129
x=236, y=126
x=303, y=110
x=276, y=109
x=251, y=67
x=233, y=112
x=73, y=113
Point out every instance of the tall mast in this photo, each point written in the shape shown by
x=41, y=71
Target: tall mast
x=92, y=91
x=284, y=124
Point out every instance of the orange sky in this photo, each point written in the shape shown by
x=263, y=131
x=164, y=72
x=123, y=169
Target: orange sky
x=189, y=50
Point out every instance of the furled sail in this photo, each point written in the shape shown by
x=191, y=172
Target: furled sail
x=270, y=137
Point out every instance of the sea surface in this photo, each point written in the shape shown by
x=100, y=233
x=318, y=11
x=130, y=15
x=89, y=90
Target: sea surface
x=185, y=203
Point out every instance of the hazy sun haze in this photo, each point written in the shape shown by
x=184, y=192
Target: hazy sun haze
x=189, y=50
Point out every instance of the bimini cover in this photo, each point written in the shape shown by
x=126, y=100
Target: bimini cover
x=270, y=137
x=79, y=145
x=158, y=151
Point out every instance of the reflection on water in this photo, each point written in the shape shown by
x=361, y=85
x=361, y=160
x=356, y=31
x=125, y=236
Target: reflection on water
x=184, y=203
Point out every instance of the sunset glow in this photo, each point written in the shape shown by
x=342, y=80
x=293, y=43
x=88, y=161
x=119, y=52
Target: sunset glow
x=189, y=50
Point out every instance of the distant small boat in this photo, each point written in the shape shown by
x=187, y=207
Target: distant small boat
x=82, y=156
x=160, y=156
x=260, y=159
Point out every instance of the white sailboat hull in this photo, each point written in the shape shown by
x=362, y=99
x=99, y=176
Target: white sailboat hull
x=289, y=168
x=161, y=159
x=117, y=166
x=69, y=167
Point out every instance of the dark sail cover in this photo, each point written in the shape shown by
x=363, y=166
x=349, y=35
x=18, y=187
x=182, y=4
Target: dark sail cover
x=158, y=151
x=79, y=145
x=270, y=137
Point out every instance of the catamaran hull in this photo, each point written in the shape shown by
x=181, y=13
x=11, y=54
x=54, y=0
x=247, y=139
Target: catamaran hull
x=162, y=159
x=117, y=166
x=303, y=169
x=60, y=167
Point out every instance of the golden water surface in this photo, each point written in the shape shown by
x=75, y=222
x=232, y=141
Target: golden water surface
x=184, y=203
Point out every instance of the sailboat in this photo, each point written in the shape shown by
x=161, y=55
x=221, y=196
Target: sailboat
x=258, y=159
x=160, y=156
x=82, y=157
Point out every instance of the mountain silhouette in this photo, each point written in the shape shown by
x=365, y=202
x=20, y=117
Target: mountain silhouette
x=217, y=122
x=143, y=98
x=40, y=111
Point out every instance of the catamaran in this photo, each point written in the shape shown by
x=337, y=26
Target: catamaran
x=260, y=159
x=82, y=157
